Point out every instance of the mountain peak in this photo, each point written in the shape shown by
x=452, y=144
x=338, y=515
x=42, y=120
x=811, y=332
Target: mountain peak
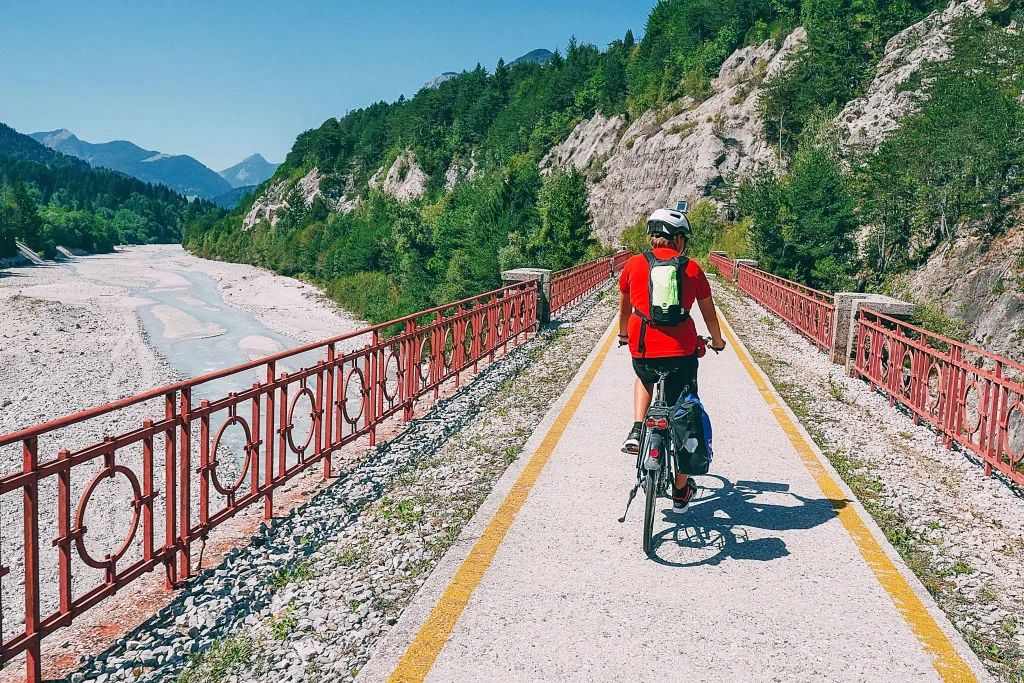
x=252, y=170
x=539, y=56
x=53, y=137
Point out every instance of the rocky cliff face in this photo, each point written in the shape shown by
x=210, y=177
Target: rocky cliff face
x=864, y=122
x=976, y=280
x=982, y=284
x=460, y=171
x=682, y=153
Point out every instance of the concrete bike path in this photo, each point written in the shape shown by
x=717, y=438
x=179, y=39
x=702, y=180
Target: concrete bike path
x=773, y=574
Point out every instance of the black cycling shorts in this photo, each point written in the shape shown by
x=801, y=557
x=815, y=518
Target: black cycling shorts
x=684, y=374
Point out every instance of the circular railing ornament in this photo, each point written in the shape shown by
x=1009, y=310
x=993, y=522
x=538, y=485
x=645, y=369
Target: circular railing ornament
x=314, y=419
x=79, y=531
x=229, y=491
x=360, y=396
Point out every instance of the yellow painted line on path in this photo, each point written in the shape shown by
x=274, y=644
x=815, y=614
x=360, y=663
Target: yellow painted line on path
x=430, y=639
x=945, y=658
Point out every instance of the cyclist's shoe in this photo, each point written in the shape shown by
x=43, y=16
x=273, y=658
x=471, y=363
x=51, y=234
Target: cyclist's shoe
x=681, y=497
x=632, y=443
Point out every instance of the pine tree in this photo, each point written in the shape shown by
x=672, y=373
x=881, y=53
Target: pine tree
x=564, y=236
x=28, y=226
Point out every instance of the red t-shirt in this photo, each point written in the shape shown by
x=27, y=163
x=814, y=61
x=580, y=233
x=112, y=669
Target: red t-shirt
x=662, y=342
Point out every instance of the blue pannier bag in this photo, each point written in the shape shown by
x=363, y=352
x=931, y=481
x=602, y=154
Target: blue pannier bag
x=691, y=435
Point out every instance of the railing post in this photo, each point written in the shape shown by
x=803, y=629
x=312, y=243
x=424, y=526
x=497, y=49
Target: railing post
x=170, y=489
x=254, y=453
x=205, y=465
x=63, y=541
x=844, y=320
x=376, y=373
x=268, y=446
x=327, y=410
x=283, y=427
x=185, y=486
x=147, y=493
x=412, y=374
x=543, y=284
x=30, y=500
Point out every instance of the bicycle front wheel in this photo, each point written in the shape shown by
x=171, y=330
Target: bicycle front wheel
x=651, y=489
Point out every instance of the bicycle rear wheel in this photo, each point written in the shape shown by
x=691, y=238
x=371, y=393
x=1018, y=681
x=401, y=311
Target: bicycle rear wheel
x=650, y=489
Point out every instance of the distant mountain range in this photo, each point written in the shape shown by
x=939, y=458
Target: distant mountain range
x=65, y=202
x=252, y=170
x=180, y=172
x=15, y=145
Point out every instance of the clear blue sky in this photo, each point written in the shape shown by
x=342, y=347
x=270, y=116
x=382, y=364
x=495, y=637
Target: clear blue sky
x=220, y=80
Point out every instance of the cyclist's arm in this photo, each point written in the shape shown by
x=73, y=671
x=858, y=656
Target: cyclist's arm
x=625, y=310
x=707, y=310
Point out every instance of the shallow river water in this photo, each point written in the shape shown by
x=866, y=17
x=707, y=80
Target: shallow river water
x=191, y=327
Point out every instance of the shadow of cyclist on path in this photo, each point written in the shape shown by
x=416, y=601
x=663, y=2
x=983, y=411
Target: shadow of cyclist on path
x=714, y=526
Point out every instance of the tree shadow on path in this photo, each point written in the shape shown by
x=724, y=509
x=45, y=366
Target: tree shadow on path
x=715, y=525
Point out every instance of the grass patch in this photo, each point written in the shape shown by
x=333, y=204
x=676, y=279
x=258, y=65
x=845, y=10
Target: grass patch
x=283, y=624
x=348, y=557
x=836, y=389
x=961, y=568
x=444, y=540
x=300, y=573
x=215, y=664
x=419, y=567
x=407, y=511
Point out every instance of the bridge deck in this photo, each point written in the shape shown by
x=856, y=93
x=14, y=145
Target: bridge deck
x=772, y=574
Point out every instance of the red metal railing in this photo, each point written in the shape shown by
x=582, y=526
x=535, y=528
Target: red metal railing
x=808, y=311
x=292, y=417
x=572, y=285
x=968, y=395
x=726, y=267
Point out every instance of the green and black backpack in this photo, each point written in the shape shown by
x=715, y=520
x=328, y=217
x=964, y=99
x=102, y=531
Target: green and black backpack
x=665, y=288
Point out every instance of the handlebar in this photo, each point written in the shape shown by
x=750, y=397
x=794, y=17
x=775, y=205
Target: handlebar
x=624, y=340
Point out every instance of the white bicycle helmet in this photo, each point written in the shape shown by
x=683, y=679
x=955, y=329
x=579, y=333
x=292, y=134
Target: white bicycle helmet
x=668, y=223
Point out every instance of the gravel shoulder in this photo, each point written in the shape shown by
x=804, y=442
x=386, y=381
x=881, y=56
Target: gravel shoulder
x=960, y=532
x=311, y=595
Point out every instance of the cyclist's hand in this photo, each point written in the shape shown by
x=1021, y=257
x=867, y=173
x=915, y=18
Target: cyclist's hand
x=718, y=349
x=623, y=340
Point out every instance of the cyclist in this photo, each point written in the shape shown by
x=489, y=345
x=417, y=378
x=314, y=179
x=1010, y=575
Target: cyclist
x=664, y=347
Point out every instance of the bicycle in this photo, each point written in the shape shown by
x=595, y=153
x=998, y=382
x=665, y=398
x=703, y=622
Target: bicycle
x=655, y=460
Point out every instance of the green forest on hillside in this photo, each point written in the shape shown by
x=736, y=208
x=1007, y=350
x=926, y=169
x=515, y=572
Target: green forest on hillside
x=387, y=258
x=49, y=199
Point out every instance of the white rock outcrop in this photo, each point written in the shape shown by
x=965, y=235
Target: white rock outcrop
x=655, y=162
x=866, y=121
x=268, y=206
x=460, y=172
x=590, y=142
x=405, y=180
